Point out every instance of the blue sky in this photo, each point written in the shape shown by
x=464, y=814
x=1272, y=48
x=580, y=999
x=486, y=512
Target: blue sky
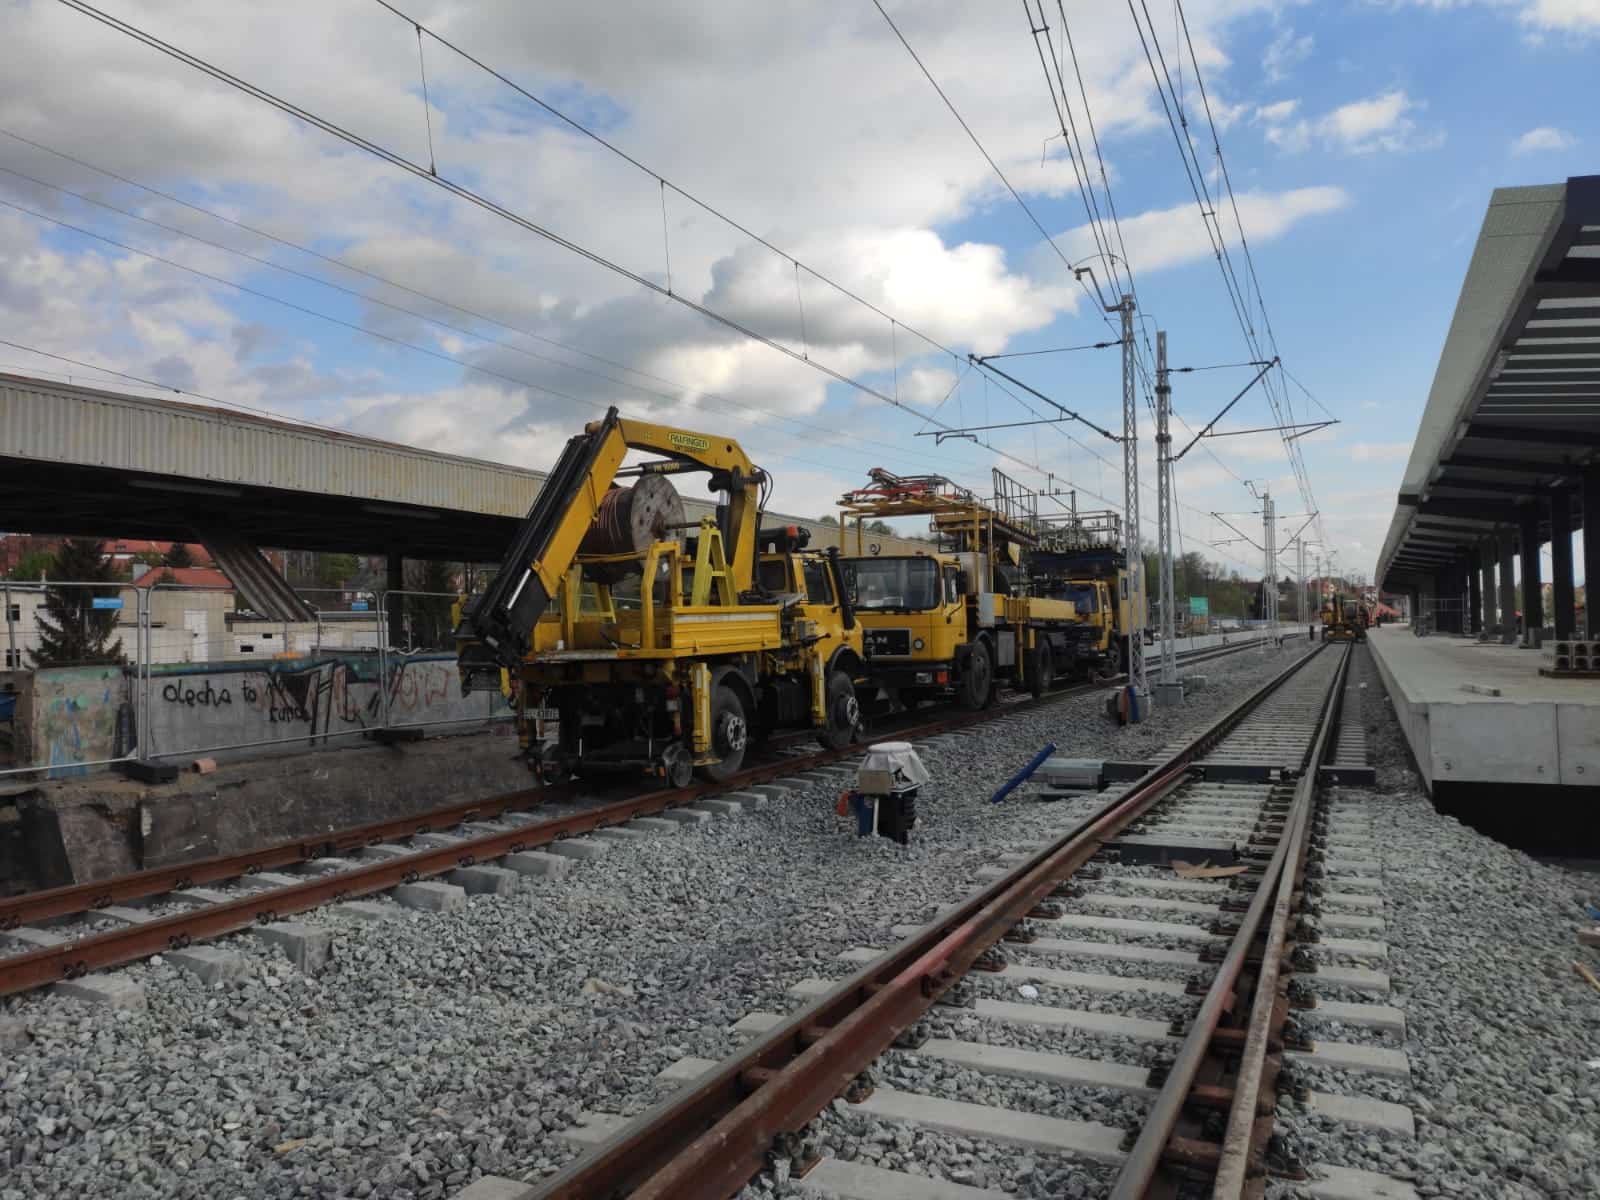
x=1362, y=139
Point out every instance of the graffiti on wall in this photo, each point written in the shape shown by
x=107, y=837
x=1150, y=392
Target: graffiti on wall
x=318, y=698
x=73, y=717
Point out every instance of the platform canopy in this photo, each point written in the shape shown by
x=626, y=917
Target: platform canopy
x=1514, y=412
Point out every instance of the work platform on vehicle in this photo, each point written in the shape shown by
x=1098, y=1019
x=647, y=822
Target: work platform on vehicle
x=1481, y=713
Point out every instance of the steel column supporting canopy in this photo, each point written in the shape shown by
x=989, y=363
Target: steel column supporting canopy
x=1514, y=409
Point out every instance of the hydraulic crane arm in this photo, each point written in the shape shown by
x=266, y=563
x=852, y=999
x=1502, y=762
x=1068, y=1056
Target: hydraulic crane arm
x=549, y=538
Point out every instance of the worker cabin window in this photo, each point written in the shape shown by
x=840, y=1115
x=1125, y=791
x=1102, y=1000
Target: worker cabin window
x=819, y=588
x=1083, y=600
x=891, y=584
x=773, y=575
x=952, y=585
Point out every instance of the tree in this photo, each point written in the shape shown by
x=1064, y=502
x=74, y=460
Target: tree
x=333, y=570
x=827, y=519
x=72, y=632
x=880, y=527
x=427, y=617
x=33, y=564
x=179, y=556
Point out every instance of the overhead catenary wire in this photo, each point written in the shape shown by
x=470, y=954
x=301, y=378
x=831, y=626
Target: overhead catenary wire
x=462, y=192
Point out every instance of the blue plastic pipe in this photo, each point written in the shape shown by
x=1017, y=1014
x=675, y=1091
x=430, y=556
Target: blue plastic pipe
x=1021, y=776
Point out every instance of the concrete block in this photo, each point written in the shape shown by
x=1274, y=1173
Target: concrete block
x=1162, y=903
x=654, y=825
x=104, y=991
x=1133, y=928
x=1051, y=1135
x=430, y=896
x=198, y=897
x=686, y=1070
x=483, y=828
x=209, y=965
x=13, y=1033
x=687, y=816
x=485, y=881
x=1352, y=1056
x=772, y=791
x=592, y=1129
x=840, y=1180
x=537, y=862
x=1351, y=947
x=618, y=833
x=306, y=946
x=382, y=851
x=719, y=807
x=756, y=1022
x=497, y=1187
x=33, y=939
x=266, y=881
x=1073, y=1018
x=1352, y=922
x=579, y=848
x=1345, y=1183
x=750, y=799
x=1368, y=1016
x=1364, y=1112
x=124, y=915
x=1061, y=1069
x=368, y=910
x=1113, y=950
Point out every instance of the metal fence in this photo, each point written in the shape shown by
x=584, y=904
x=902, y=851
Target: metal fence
x=97, y=674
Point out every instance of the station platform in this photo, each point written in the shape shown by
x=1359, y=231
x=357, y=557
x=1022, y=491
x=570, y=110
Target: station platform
x=1536, y=731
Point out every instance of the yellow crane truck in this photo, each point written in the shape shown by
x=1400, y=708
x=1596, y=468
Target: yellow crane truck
x=653, y=643
x=957, y=620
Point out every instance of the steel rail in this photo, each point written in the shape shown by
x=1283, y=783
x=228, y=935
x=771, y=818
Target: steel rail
x=38, y=968
x=1237, y=1166
x=1150, y=1149
x=52, y=903
x=712, y=1137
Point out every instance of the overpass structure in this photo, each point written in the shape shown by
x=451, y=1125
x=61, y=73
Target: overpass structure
x=81, y=460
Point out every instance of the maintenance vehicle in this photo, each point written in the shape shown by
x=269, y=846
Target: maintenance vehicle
x=1081, y=560
x=1344, y=619
x=646, y=642
x=959, y=619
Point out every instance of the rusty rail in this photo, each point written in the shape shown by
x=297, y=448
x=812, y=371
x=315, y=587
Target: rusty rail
x=1155, y=1143
x=712, y=1137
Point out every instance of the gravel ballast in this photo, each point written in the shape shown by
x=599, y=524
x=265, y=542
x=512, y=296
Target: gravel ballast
x=434, y=1048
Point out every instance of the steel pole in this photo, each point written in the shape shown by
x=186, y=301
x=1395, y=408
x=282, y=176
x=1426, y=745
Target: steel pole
x=1130, y=509
x=1169, y=629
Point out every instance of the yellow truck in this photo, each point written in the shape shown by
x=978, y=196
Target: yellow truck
x=957, y=620
x=650, y=643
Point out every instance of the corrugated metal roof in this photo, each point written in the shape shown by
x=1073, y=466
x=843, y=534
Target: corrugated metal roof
x=62, y=423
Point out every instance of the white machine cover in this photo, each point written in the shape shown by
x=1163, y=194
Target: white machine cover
x=889, y=766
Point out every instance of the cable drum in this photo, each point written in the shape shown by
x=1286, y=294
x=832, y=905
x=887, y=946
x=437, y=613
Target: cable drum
x=629, y=520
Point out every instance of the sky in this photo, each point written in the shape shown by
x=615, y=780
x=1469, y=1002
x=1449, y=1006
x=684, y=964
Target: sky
x=795, y=173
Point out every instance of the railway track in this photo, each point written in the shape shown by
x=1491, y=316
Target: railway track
x=64, y=934
x=1258, y=944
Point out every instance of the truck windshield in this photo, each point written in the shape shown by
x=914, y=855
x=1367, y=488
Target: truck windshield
x=1082, y=597
x=895, y=583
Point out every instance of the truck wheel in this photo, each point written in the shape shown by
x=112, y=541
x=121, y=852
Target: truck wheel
x=1044, y=671
x=730, y=734
x=843, y=713
x=977, y=682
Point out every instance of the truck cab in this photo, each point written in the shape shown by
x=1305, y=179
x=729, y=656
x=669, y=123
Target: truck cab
x=914, y=612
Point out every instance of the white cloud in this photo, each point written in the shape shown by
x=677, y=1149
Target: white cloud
x=1381, y=122
x=1174, y=236
x=1380, y=451
x=1545, y=137
x=1540, y=16
x=1277, y=112
x=1283, y=54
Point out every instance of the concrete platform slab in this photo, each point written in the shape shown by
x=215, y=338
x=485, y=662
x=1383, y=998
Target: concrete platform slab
x=306, y=946
x=209, y=965
x=1537, y=730
x=839, y=1180
x=1083, y=1139
x=104, y=991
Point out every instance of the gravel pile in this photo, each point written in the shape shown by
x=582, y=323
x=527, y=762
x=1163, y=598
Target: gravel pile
x=435, y=1048
x=1502, y=1035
